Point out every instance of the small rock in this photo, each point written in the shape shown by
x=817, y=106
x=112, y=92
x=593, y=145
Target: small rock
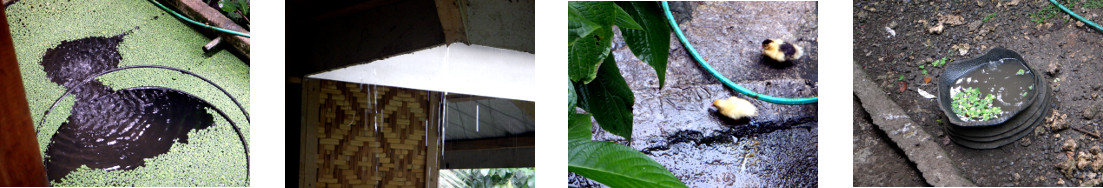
x=1060, y=181
x=962, y=48
x=1089, y=112
x=1092, y=183
x=1053, y=68
x=1079, y=24
x=892, y=33
x=1057, y=121
x=1012, y=3
x=1017, y=176
x=1039, y=130
x=1067, y=168
x=937, y=29
x=1097, y=163
x=951, y=19
x=973, y=26
x=1069, y=145
x=1082, y=160
x=1024, y=142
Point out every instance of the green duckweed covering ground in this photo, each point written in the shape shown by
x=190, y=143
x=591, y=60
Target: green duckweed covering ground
x=212, y=157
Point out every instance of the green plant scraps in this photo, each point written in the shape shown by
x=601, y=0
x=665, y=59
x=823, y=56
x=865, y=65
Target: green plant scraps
x=940, y=62
x=1021, y=72
x=989, y=17
x=968, y=105
x=1044, y=14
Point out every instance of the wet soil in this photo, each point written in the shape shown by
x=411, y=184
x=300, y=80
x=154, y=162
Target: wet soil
x=109, y=129
x=892, y=39
x=674, y=124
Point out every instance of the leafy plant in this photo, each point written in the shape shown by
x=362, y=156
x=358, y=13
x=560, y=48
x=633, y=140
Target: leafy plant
x=236, y=10
x=596, y=86
x=488, y=177
x=969, y=105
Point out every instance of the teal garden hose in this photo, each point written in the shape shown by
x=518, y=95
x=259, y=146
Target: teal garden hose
x=197, y=23
x=725, y=80
x=1077, y=16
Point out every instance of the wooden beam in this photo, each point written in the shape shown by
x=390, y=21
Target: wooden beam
x=465, y=97
x=308, y=156
x=201, y=12
x=432, y=160
x=509, y=142
x=359, y=7
x=451, y=20
x=20, y=161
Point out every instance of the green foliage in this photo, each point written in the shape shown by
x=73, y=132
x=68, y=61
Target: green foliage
x=1021, y=72
x=597, y=86
x=236, y=10
x=652, y=42
x=1044, y=14
x=969, y=104
x=1093, y=4
x=610, y=100
x=990, y=16
x=901, y=77
x=587, y=52
x=488, y=177
x=572, y=98
x=612, y=164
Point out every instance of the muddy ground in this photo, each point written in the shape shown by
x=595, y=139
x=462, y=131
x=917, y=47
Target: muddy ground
x=674, y=126
x=893, y=38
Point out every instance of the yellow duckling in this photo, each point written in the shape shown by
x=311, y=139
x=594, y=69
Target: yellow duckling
x=735, y=108
x=781, y=51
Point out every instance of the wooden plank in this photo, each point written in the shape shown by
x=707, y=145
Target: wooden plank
x=201, y=12
x=310, y=130
x=20, y=161
x=512, y=142
x=431, y=156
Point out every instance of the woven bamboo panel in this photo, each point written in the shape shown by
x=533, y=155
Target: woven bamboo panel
x=371, y=136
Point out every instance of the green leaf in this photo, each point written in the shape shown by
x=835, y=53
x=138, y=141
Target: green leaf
x=652, y=43
x=617, y=165
x=578, y=26
x=610, y=100
x=578, y=126
x=572, y=98
x=587, y=52
x=625, y=21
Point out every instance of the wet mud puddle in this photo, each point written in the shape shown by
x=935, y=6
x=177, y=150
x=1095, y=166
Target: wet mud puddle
x=1008, y=80
x=113, y=129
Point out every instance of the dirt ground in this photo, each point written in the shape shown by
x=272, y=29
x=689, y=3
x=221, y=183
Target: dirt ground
x=893, y=38
x=674, y=126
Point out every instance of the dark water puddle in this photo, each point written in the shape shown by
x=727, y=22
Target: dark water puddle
x=108, y=129
x=1002, y=79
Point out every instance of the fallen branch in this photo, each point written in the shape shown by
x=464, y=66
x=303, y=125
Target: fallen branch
x=1081, y=130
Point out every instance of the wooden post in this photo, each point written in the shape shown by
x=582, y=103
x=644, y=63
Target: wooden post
x=432, y=158
x=20, y=161
x=308, y=155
